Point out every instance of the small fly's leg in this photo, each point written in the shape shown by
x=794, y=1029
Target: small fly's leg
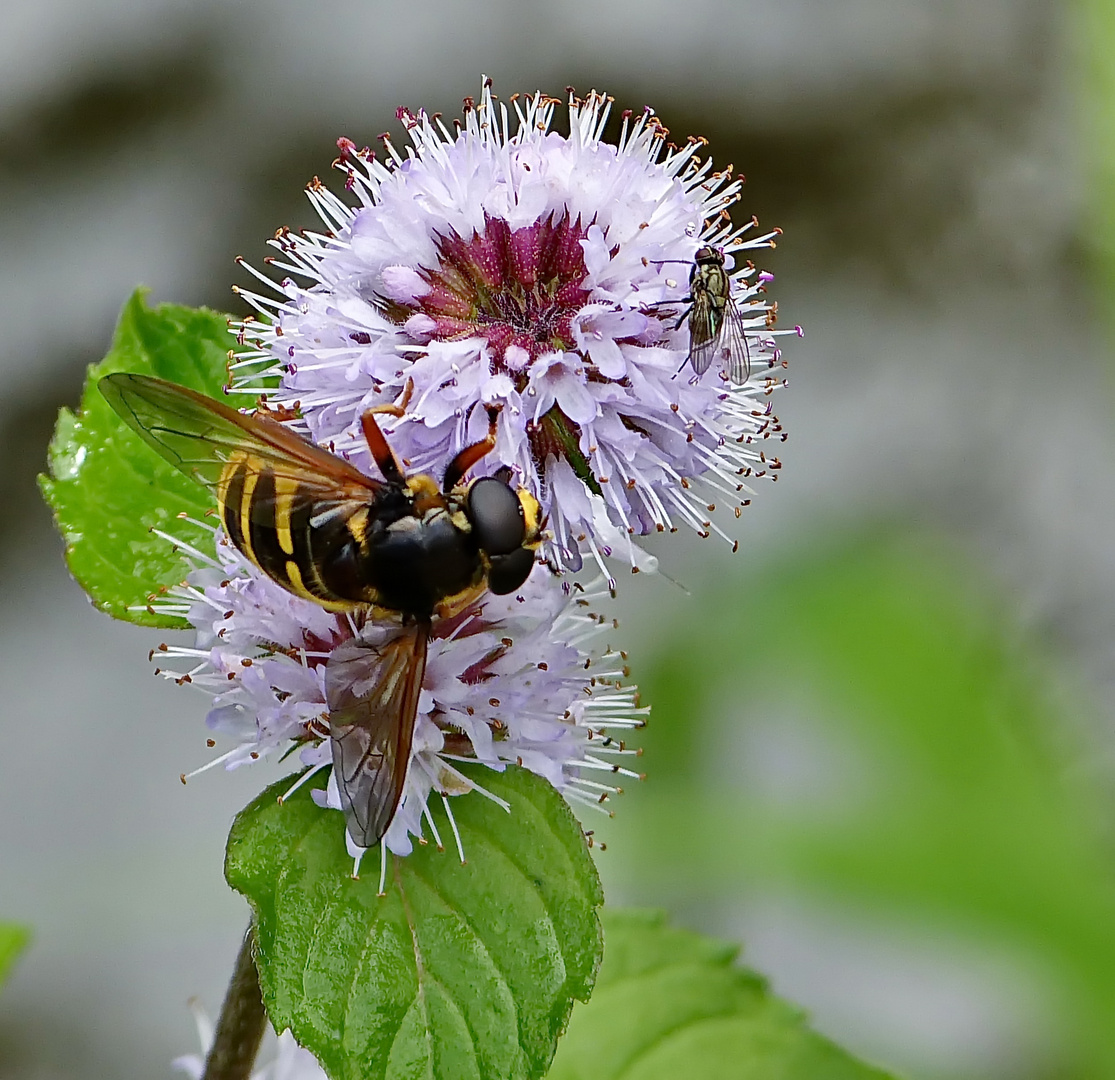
x=470, y=455
x=382, y=454
x=677, y=326
x=653, y=309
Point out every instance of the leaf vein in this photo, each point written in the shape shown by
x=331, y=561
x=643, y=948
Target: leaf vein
x=357, y=969
x=532, y=885
x=420, y=967
x=499, y=972
x=464, y=1020
x=667, y=1033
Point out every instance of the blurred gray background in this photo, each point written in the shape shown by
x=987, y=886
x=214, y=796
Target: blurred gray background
x=924, y=159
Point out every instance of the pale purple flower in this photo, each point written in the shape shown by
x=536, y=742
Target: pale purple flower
x=504, y=263
x=511, y=680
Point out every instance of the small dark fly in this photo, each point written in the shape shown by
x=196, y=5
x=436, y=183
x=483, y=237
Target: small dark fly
x=716, y=330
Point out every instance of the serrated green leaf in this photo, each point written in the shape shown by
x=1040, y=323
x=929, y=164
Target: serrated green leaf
x=13, y=940
x=458, y=971
x=671, y=1003
x=107, y=489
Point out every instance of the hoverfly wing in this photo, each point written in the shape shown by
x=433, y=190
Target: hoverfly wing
x=372, y=691
x=199, y=436
x=703, y=332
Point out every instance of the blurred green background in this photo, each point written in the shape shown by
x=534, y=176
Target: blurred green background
x=883, y=746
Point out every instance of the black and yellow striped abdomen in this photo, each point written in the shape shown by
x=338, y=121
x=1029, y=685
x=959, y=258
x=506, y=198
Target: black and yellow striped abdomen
x=346, y=553
x=276, y=522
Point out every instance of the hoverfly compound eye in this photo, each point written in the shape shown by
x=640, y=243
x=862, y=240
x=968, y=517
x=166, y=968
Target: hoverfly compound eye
x=508, y=572
x=496, y=516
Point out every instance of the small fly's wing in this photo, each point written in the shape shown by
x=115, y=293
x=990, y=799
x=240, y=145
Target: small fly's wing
x=199, y=436
x=372, y=690
x=703, y=331
x=732, y=345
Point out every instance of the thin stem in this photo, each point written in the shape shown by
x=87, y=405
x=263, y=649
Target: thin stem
x=241, y=1023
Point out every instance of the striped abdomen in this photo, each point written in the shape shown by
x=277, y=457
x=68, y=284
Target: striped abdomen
x=280, y=524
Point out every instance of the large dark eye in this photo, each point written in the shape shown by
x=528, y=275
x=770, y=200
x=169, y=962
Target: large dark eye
x=508, y=572
x=496, y=516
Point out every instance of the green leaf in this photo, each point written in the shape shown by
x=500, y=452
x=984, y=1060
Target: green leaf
x=107, y=489
x=670, y=1003
x=458, y=971
x=929, y=773
x=13, y=940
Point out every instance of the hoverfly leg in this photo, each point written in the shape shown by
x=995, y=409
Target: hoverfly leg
x=470, y=455
x=382, y=454
x=399, y=406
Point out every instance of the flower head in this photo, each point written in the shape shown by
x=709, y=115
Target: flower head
x=505, y=264
x=508, y=680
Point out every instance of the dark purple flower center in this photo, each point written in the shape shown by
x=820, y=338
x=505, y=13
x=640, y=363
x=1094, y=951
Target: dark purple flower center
x=512, y=287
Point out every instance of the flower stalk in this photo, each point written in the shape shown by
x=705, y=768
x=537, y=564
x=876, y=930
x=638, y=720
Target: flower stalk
x=242, y=1022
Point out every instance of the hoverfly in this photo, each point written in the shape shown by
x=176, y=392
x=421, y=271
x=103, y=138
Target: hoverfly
x=321, y=529
x=715, y=325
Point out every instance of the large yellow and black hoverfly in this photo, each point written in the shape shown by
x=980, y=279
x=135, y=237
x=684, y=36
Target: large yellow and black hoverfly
x=715, y=325
x=323, y=530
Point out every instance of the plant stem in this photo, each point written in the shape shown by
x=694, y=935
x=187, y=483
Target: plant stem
x=241, y=1023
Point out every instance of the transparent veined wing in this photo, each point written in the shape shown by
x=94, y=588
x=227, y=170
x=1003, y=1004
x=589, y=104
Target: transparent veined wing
x=732, y=347
x=199, y=436
x=703, y=331
x=372, y=689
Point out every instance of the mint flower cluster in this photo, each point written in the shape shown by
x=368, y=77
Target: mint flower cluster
x=495, y=271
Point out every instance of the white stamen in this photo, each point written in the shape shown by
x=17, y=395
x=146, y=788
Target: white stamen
x=453, y=826
x=308, y=774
